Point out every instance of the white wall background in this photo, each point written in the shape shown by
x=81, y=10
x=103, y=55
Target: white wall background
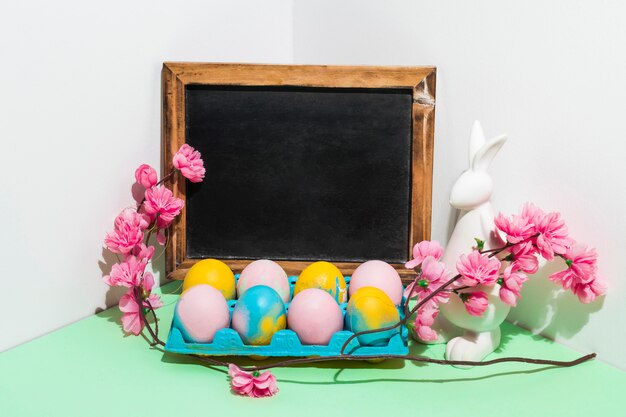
x=79, y=111
x=550, y=74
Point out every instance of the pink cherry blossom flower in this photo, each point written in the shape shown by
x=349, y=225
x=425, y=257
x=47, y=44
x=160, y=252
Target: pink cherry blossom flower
x=582, y=266
x=531, y=213
x=123, y=241
x=132, y=321
x=475, y=302
x=190, y=164
x=524, y=257
x=143, y=252
x=422, y=250
x=583, y=261
x=130, y=218
x=552, y=237
x=433, y=275
x=252, y=384
x=517, y=228
x=127, y=274
x=587, y=292
x=424, y=319
x=146, y=175
x=161, y=205
x=129, y=227
x=477, y=268
x=511, y=287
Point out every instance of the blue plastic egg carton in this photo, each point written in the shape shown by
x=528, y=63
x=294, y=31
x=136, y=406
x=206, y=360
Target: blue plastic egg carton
x=284, y=342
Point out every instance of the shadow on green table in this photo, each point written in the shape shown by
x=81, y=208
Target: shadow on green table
x=341, y=367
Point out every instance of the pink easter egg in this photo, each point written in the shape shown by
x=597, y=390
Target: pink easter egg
x=264, y=272
x=201, y=311
x=315, y=316
x=380, y=275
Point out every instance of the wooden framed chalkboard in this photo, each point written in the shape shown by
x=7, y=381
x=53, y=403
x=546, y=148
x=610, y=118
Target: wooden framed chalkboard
x=304, y=163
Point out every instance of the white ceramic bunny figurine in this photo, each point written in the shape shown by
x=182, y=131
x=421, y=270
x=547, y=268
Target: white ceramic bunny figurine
x=471, y=194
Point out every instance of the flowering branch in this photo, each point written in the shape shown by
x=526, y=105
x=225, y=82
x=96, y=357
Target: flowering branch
x=131, y=236
x=529, y=234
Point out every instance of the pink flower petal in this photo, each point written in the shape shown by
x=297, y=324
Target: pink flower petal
x=422, y=250
x=128, y=304
x=241, y=380
x=155, y=301
x=412, y=264
x=148, y=281
x=160, y=237
x=508, y=297
x=132, y=323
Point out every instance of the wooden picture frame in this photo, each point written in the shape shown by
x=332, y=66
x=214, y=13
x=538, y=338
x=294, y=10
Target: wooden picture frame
x=420, y=80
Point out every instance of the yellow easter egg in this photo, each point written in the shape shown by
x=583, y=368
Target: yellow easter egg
x=325, y=276
x=214, y=273
x=371, y=308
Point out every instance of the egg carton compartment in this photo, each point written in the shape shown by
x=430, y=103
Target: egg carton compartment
x=227, y=342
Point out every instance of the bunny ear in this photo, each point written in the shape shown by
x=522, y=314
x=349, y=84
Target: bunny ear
x=486, y=153
x=477, y=140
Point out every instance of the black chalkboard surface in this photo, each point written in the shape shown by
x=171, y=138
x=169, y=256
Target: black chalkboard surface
x=304, y=163
x=298, y=173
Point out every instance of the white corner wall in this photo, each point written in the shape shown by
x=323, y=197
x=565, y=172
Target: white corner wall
x=550, y=74
x=79, y=111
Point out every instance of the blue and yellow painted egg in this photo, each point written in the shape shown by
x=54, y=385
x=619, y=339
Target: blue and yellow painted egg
x=370, y=308
x=258, y=314
x=325, y=276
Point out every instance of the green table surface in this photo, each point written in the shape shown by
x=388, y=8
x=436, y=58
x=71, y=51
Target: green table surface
x=90, y=369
